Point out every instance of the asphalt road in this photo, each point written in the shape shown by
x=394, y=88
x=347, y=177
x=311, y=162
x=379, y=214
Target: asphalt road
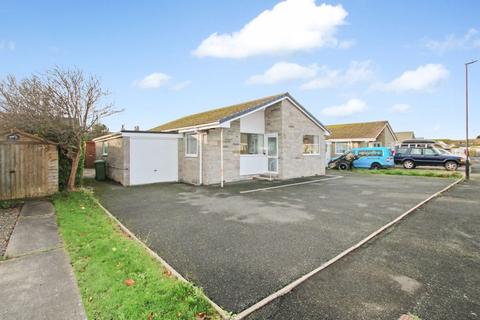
x=242, y=247
x=428, y=265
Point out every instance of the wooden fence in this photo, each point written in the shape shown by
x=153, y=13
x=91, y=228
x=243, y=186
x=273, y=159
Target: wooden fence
x=28, y=166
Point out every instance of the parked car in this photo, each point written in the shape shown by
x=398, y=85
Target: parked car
x=411, y=157
x=343, y=162
x=368, y=157
x=373, y=158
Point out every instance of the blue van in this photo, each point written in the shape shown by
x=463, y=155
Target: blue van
x=373, y=157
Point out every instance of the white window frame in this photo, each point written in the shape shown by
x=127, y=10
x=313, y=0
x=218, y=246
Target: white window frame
x=262, y=150
x=346, y=149
x=191, y=155
x=105, y=148
x=318, y=145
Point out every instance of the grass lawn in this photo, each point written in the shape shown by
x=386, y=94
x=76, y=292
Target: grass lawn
x=117, y=278
x=413, y=172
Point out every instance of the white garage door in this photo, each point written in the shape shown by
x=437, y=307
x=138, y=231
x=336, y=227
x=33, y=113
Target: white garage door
x=153, y=160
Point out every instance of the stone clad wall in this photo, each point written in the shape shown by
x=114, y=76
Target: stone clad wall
x=231, y=155
x=187, y=166
x=294, y=163
x=117, y=160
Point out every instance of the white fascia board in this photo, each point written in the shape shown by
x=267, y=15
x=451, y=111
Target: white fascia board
x=147, y=135
x=108, y=137
x=352, y=140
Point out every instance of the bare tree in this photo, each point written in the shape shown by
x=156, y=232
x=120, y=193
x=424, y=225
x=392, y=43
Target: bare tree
x=61, y=105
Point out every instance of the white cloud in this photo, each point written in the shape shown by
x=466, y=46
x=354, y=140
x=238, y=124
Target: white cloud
x=358, y=71
x=181, y=85
x=283, y=72
x=400, y=108
x=346, y=44
x=424, y=78
x=7, y=45
x=291, y=25
x=352, y=106
x=153, y=81
x=470, y=40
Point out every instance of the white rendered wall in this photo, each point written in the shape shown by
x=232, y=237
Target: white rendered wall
x=253, y=123
x=253, y=164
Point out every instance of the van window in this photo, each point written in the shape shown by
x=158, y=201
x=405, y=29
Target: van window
x=416, y=151
x=370, y=153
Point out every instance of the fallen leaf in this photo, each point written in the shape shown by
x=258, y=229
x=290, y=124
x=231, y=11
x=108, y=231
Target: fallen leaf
x=90, y=299
x=201, y=316
x=150, y=316
x=114, y=249
x=129, y=282
x=167, y=272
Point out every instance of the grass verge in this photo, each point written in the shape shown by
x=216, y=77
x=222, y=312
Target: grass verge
x=413, y=172
x=117, y=278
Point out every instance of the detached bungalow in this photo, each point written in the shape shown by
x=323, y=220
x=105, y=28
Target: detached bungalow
x=363, y=134
x=273, y=136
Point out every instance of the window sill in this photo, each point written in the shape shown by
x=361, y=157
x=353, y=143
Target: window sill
x=312, y=154
x=191, y=156
x=253, y=155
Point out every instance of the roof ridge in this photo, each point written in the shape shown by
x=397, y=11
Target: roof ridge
x=354, y=123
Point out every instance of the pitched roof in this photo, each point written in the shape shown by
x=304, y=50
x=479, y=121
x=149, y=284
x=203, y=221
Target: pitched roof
x=219, y=115
x=404, y=135
x=360, y=130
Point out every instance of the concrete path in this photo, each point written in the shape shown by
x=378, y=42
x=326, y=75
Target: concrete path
x=36, y=280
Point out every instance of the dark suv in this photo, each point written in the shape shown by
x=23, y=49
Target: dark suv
x=411, y=157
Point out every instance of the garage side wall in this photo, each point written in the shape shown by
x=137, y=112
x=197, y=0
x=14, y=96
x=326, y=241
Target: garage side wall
x=293, y=163
x=117, y=159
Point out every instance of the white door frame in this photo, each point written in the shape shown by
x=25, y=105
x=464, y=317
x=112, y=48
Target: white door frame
x=271, y=135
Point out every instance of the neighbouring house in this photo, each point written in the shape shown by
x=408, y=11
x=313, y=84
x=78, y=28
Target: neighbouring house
x=405, y=135
x=459, y=146
x=273, y=136
x=344, y=137
x=28, y=165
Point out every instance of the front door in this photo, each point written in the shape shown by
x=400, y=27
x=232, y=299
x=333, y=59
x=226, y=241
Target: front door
x=272, y=152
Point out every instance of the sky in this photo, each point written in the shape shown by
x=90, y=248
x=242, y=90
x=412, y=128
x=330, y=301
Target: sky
x=345, y=61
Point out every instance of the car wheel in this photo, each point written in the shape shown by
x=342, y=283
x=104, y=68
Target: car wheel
x=375, y=166
x=451, y=165
x=343, y=166
x=408, y=164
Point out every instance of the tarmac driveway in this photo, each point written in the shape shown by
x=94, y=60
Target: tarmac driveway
x=241, y=247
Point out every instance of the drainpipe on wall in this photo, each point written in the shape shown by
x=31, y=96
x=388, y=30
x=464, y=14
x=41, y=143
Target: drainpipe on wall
x=221, y=157
x=200, y=160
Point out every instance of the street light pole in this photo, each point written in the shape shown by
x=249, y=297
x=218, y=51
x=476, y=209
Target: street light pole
x=467, y=153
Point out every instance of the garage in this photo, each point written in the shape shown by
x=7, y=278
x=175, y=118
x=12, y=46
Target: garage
x=139, y=157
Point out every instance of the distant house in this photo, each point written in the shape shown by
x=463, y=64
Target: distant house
x=458, y=146
x=344, y=137
x=273, y=136
x=405, y=135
